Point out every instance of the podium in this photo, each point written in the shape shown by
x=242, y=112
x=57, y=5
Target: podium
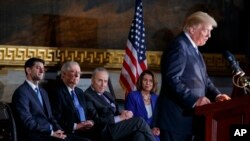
x=214, y=120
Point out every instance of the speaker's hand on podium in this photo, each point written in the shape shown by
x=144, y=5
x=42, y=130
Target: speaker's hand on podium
x=222, y=97
x=202, y=101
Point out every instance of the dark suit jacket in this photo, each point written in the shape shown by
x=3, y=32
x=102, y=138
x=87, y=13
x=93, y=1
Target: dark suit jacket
x=103, y=114
x=134, y=102
x=184, y=80
x=31, y=116
x=63, y=107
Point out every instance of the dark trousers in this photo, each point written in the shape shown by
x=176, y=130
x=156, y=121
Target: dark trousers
x=134, y=129
x=90, y=134
x=171, y=136
x=39, y=137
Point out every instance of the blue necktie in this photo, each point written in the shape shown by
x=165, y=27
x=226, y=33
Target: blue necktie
x=39, y=95
x=79, y=108
x=199, y=56
x=196, y=50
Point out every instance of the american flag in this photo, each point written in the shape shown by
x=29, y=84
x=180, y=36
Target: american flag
x=135, y=53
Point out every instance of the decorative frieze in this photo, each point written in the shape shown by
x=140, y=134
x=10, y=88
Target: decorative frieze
x=15, y=56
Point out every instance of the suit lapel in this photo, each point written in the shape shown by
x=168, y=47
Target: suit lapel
x=69, y=100
x=101, y=101
x=33, y=95
x=46, y=105
x=202, y=66
x=198, y=57
x=35, y=98
x=112, y=105
x=110, y=98
x=142, y=106
x=98, y=97
x=200, y=61
x=68, y=97
x=95, y=96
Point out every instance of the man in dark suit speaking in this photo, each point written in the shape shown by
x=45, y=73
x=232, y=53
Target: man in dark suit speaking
x=185, y=82
x=32, y=108
x=114, y=125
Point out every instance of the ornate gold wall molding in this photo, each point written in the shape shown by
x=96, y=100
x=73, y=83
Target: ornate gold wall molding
x=217, y=65
x=88, y=58
x=15, y=56
x=115, y=59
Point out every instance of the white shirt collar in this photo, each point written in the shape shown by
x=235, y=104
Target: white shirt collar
x=192, y=42
x=32, y=85
x=95, y=91
x=69, y=89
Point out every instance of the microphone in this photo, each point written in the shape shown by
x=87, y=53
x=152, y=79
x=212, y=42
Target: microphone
x=241, y=80
x=234, y=64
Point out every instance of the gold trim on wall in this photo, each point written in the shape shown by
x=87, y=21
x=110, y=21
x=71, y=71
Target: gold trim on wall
x=15, y=56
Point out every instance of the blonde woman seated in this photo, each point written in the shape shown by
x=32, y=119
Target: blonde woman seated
x=142, y=102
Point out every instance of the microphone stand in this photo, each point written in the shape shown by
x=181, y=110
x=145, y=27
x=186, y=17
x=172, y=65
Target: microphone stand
x=246, y=84
x=242, y=82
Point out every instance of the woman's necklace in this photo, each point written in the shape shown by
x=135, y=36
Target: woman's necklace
x=146, y=98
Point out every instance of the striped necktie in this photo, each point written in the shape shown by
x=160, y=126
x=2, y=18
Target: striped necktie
x=108, y=102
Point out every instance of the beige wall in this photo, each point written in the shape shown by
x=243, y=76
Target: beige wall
x=10, y=79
